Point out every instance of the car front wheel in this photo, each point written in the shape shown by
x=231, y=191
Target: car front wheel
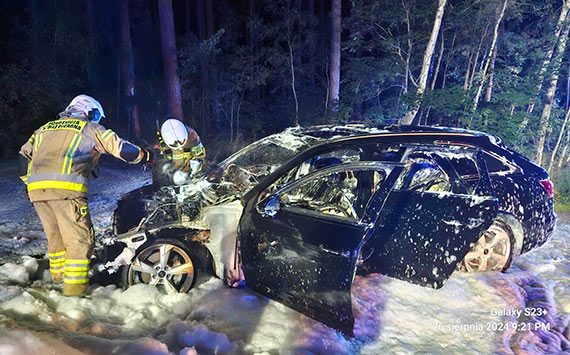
x=166, y=264
x=493, y=251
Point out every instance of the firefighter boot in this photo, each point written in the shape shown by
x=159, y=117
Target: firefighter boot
x=74, y=289
x=76, y=277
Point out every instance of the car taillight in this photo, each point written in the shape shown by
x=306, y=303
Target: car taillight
x=547, y=186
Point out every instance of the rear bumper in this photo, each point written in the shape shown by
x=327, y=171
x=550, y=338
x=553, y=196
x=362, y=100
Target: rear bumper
x=540, y=229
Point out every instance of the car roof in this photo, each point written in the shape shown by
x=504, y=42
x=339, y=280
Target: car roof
x=404, y=132
x=365, y=128
x=360, y=132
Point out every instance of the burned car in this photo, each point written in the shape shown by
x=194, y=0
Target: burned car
x=298, y=214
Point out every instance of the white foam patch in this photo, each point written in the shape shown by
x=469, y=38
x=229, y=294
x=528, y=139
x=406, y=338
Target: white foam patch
x=16, y=273
x=25, y=342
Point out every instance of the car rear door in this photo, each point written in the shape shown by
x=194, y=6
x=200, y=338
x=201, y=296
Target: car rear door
x=300, y=246
x=421, y=234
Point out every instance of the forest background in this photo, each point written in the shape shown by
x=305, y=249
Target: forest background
x=237, y=70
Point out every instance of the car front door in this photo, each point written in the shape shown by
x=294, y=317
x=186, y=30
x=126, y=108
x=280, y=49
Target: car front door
x=301, y=244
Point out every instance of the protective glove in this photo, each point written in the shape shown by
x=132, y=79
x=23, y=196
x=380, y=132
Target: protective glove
x=195, y=166
x=22, y=166
x=167, y=168
x=180, y=177
x=148, y=156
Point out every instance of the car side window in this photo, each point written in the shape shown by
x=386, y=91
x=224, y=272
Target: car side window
x=343, y=193
x=392, y=152
x=496, y=165
x=465, y=167
x=424, y=175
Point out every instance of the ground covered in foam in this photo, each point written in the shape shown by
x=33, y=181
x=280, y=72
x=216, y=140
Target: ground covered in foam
x=472, y=313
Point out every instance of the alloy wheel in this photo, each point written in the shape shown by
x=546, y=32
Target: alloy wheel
x=492, y=251
x=165, y=266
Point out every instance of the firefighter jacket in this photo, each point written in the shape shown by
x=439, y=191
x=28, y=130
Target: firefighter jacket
x=62, y=154
x=192, y=149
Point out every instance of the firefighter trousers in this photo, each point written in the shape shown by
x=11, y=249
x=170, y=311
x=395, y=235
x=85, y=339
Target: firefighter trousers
x=69, y=231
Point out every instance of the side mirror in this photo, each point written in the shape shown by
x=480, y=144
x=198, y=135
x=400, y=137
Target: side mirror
x=272, y=207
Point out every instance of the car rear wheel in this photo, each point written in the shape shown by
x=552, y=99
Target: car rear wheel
x=166, y=264
x=493, y=251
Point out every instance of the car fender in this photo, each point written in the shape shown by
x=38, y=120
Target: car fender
x=516, y=228
x=135, y=240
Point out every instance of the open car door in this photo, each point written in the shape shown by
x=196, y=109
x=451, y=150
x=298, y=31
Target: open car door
x=430, y=220
x=300, y=245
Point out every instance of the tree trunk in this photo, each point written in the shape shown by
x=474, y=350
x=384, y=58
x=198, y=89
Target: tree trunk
x=560, y=136
x=483, y=78
x=489, y=90
x=118, y=93
x=468, y=71
x=292, y=68
x=202, y=35
x=169, y=58
x=567, y=102
x=563, y=156
x=35, y=26
x=409, y=52
x=209, y=17
x=56, y=30
x=212, y=71
x=546, y=62
x=201, y=19
x=409, y=118
x=448, y=58
x=545, y=116
x=334, y=60
x=128, y=69
x=312, y=66
x=436, y=71
x=91, y=42
x=477, y=57
x=187, y=21
x=38, y=13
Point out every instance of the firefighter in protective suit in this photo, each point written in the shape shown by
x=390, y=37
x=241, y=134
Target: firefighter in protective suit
x=182, y=149
x=56, y=163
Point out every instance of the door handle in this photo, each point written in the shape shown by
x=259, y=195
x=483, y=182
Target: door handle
x=344, y=253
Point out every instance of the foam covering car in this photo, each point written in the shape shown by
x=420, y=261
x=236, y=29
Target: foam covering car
x=299, y=213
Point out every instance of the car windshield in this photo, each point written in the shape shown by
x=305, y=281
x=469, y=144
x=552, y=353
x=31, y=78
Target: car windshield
x=272, y=151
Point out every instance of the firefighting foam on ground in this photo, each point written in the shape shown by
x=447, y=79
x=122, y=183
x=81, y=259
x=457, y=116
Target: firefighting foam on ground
x=524, y=310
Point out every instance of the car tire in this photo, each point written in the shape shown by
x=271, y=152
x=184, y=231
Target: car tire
x=493, y=251
x=167, y=264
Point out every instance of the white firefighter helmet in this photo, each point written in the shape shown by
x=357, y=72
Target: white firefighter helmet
x=88, y=105
x=174, y=133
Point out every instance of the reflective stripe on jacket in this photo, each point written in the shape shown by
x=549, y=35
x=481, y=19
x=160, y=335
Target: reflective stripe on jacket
x=62, y=154
x=192, y=149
